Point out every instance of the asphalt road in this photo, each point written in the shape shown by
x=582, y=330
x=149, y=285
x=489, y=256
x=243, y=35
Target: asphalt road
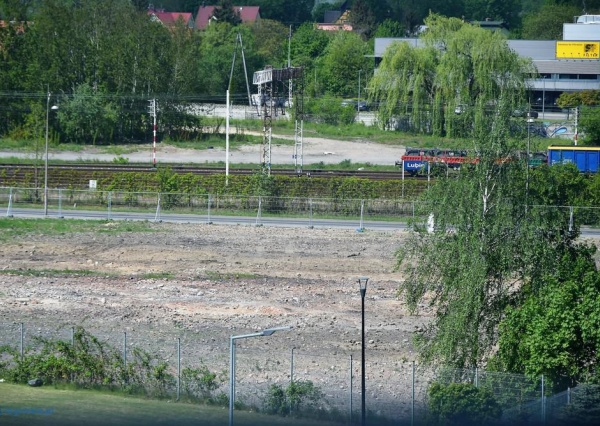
x=358, y=225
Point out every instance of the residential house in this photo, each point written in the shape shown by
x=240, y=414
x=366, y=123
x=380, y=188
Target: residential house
x=336, y=20
x=169, y=19
x=248, y=15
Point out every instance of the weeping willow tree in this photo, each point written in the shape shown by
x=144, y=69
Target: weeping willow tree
x=486, y=237
x=449, y=79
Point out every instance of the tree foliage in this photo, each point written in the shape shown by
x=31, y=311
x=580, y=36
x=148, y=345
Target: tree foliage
x=456, y=67
x=344, y=57
x=554, y=328
x=226, y=13
x=547, y=22
x=488, y=238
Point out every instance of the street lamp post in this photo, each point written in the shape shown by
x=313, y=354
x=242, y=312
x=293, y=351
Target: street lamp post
x=54, y=108
x=530, y=121
x=362, y=283
x=266, y=332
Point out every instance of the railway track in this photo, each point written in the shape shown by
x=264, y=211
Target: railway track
x=21, y=173
x=90, y=169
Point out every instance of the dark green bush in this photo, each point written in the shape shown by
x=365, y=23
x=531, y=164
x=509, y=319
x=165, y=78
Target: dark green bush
x=462, y=404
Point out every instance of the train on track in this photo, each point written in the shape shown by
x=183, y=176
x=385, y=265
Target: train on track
x=420, y=160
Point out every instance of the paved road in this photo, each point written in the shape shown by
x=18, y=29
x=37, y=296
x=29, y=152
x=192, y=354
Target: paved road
x=358, y=225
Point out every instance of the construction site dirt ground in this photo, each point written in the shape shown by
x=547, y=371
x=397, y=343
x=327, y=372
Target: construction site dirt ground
x=203, y=283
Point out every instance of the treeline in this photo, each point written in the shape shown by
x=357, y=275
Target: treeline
x=102, y=62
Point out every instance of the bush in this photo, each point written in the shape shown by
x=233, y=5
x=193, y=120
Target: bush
x=331, y=111
x=301, y=397
x=462, y=404
x=584, y=409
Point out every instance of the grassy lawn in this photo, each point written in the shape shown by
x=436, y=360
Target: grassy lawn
x=13, y=228
x=24, y=405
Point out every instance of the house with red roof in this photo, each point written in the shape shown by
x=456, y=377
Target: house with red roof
x=248, y=14
x=169, y=19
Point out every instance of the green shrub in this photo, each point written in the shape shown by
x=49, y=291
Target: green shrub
x=462, y=404
x=584, y=408
x=299, y=397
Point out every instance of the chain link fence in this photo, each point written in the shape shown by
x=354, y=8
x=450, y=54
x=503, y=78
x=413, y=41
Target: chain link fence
x=335, y=378
x=205, y=207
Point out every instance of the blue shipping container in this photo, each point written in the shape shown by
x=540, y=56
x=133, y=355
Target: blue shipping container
x=587, y=159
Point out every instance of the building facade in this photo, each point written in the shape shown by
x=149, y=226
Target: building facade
x=568, y=65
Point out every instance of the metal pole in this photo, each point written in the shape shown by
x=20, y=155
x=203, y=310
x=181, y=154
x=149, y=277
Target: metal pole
x=60, y=215
x=22, y=343
x=232, y=339
x=154, y=133
x=227, y=113
x=125, y=351
x=358, y=102
x=291, y=377
x=208, y=211
x=109, y=205
x=362, y=209
x=231, y=378
x=543, y=96
x=351, y=388
x=363, y=381
x=543, y=414
x=46, y=158
x=412, y=401
x=9, y=209
x=527, y=160
x=178, y=368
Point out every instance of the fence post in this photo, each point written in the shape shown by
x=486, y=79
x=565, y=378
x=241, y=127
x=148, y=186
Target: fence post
x=351, y=389
x=543, y=403
x=412, y=397
x=570, y=218
x=157, y=215
x=60, y=215
x=209, y=201
x=9, y=209
x=361, y=226
x=259, y=213
x=178, y=367
x=291, y=375
x=109, y=205
x=22, y=339
x=125, y=353
x=310, y=215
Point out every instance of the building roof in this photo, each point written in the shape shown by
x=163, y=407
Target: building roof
x=543, y=55
x=170, y=18
x=247, y=14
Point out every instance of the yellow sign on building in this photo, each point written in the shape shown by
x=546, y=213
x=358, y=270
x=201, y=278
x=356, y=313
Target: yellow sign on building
x=577, y=50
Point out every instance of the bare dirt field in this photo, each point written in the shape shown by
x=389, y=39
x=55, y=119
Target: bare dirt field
x=216, y=281
x=315, y=150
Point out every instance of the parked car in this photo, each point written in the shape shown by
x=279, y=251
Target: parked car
x=358, y=105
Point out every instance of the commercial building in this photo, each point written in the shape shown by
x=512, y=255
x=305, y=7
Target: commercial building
x=567, y=65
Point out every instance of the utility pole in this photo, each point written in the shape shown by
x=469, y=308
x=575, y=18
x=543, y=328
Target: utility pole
x=152, y=111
